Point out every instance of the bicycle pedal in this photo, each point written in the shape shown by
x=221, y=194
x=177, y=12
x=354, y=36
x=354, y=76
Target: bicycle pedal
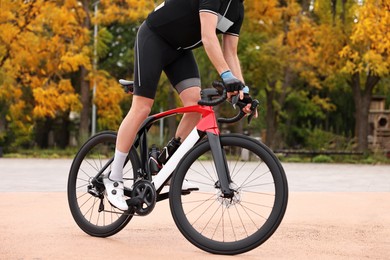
x=93, y=192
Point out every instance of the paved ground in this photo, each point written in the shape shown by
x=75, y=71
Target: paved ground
x=334, y=212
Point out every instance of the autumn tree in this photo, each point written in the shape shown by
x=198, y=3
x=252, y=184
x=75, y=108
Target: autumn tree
x=352, y=44
x=41, y=44
x=366, y=59
x=283, y=61
x=46, y=65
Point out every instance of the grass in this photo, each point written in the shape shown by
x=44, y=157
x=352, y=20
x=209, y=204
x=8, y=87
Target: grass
x=70, y=153
x=43, y=153
x=352, y=159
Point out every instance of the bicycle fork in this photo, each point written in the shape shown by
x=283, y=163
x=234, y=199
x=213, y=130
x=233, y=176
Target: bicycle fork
x=220, y=164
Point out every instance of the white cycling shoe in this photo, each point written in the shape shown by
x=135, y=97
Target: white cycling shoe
x=115, y=194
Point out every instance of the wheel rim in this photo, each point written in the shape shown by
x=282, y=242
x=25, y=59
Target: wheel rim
x=89, y=194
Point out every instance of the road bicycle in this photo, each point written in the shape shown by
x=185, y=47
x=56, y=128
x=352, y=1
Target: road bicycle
x=241, y=189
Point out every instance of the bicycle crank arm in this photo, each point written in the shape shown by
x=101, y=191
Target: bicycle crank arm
x=135, y=202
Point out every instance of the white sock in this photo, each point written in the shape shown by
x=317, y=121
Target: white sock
x=117, y=166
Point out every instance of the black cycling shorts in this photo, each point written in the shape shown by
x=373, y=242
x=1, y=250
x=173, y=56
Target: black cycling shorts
x=154, y=55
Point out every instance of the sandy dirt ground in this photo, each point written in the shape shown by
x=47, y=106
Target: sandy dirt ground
x=317, y=225
x=334, y=212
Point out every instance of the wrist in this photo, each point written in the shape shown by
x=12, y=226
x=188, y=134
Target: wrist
x=226, y=74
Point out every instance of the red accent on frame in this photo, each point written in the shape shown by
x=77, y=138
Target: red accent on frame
x=208, y=123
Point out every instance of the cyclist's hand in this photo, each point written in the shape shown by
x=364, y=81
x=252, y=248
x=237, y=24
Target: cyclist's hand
x=248, y=109
x=231, y=83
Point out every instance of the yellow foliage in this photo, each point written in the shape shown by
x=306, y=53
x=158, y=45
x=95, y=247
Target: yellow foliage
x=123, y=10
x=109, y=94
x=262, y=15
x=41, y=42
x=369, y=48
x=53, y=98
x=8, y=32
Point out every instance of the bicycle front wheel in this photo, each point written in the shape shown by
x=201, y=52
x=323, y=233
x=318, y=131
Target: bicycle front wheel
x=86, y=193
x=230, y=225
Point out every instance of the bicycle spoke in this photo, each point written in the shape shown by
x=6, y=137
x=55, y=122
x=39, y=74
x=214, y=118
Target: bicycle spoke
x=256, y=204
x=85, y=193
x=231, y=225
x=246, y=209
x=219, y=222
x=84, y=172
x=208, y=222
x=82, y=186
x=205, y=169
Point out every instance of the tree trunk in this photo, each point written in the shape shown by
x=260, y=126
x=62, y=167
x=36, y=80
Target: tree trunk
x=305, y=4
x=362, y=99
x=271, y=115
x=84, y=86
x=334, y=10
x=86, y=103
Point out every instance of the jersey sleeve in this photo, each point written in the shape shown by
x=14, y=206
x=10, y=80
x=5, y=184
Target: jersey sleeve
x=236, y=27
x=211, y=6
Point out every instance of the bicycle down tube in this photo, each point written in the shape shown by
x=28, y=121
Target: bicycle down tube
x=207, y=125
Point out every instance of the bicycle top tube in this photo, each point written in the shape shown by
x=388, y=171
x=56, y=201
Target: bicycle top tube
x=207, y=123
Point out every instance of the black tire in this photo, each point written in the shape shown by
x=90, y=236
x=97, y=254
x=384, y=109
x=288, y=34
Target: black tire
x=90, y=159
x=230, y=226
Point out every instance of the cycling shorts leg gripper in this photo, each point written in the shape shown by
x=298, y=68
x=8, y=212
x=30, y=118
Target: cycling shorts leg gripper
x=187, y=83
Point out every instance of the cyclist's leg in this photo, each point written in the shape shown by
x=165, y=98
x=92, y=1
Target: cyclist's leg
x=189, y=97
x=147, y=71
x=184, y=76
x=139, y=111
x=149, y=50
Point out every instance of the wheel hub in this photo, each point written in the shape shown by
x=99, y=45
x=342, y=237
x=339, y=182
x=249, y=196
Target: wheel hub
x=228, y=202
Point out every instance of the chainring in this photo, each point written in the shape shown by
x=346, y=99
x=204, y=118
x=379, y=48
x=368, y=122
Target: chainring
x=145, y=191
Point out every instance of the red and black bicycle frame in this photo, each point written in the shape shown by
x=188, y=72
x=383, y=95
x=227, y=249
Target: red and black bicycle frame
x=207, y=126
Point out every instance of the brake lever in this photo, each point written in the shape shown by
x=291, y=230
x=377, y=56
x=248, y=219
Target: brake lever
x=235, y=100
x=253, y=108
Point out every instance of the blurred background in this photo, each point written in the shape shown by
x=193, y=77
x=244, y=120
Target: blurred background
x=320, y=68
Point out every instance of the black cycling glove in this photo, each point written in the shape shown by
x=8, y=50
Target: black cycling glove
x=231, y=82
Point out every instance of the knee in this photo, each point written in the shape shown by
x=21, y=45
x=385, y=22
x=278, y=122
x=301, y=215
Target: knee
x=139, y=112
x=141, y=107
x=191, y=97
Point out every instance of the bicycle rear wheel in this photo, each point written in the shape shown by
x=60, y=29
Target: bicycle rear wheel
x=235, y=225
x=87, y=196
